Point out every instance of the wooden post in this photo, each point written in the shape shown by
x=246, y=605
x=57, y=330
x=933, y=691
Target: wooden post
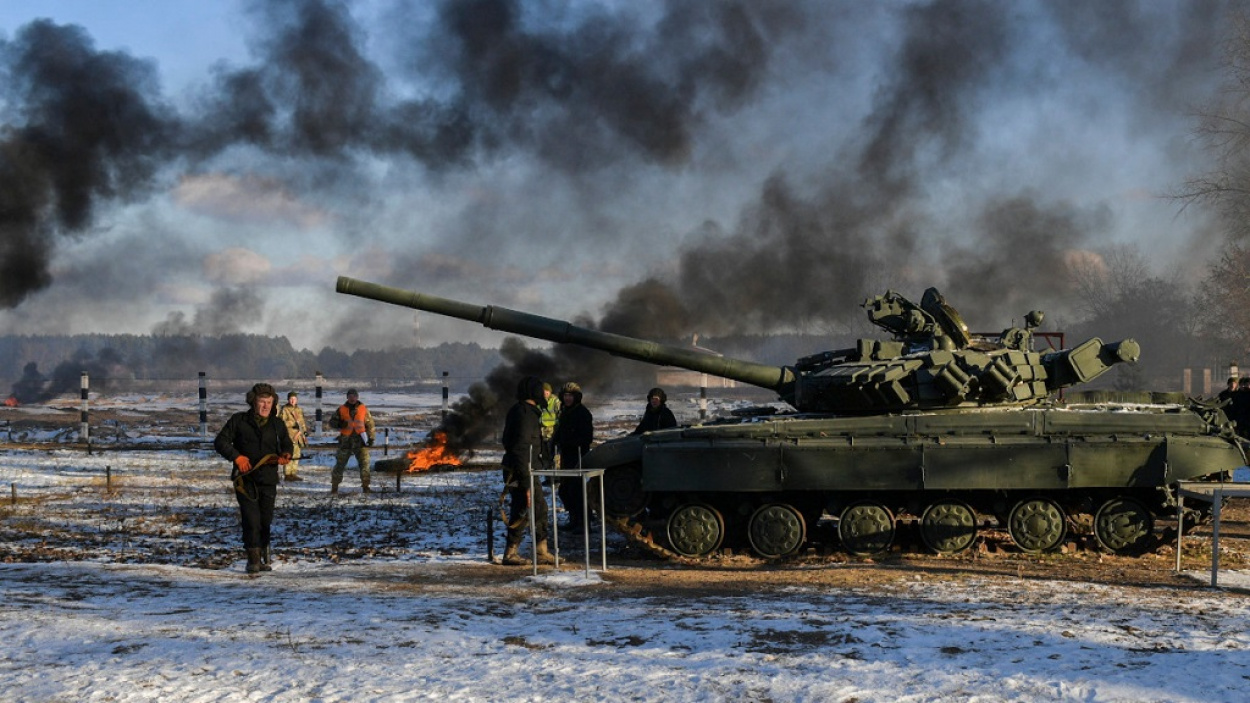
x=490, y=534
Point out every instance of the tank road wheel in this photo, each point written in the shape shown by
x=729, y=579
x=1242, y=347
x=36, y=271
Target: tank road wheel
x=622, y=491
x=1037, y=525
x=948, y=526
x=1124, y=526
x=695, y=530
x=776, y=530
x=866, y=527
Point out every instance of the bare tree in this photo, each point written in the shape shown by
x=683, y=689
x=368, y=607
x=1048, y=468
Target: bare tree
x=1102, y=279
x=1225, y=298
x=1224, y=129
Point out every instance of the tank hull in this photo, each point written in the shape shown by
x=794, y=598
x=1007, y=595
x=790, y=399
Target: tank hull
x=1067, y=463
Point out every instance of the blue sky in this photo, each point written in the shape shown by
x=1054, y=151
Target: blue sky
x=766, y=165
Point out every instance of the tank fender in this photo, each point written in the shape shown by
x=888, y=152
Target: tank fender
x=614, y=452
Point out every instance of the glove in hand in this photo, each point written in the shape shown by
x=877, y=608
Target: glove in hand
x=243, y=464
x=284, y=459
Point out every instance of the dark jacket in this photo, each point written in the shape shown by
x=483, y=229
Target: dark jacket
x=575, y=430
x=243, y=435
x=523, y=431
x=657, y=418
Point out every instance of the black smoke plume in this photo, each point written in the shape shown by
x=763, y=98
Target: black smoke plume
x=87, y=127
x=82, y=126
x=34, y=387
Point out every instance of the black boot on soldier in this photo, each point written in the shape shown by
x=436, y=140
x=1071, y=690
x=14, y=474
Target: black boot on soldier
x=253, y=560
x=264, y=559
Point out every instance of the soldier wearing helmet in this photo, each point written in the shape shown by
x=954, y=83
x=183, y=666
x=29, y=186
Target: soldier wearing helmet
x=356, y=435
x=657, y=416
x=524, y=450
x=575, y=430
x=296, y=426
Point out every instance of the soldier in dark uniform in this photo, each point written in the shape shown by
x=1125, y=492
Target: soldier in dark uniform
x=575, y=430
x=657, y=416
x=256, y=443
x=523, y=449
x=1240, y=407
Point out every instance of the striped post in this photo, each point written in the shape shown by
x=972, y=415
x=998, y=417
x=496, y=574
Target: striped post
x=702, y=398
x=445, y=395
x=317, y=423
x=203, y=405
x=84, y=432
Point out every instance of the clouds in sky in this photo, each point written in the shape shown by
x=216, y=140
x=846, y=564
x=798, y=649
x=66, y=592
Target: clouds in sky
x=762, y=165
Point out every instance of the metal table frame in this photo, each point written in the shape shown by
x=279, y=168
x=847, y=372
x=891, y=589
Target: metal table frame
x=585, y=475
x=1213, y=493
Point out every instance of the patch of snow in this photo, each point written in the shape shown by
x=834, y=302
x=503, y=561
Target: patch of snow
x=382, y=598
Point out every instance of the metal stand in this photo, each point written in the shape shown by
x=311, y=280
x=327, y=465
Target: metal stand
x=1213, y=493
x=585, y=475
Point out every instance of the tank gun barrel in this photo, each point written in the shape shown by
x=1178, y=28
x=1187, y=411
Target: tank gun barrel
x=778, y=378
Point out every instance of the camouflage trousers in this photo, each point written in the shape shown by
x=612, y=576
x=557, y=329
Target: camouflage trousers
x=292, y=466
x=350, y=446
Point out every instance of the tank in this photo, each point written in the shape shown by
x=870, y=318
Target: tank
x=934, y=429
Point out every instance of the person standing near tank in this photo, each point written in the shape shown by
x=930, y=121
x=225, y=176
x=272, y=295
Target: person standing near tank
x=1227, y=393
x=256, y=444
x=551, y=412
x=297, y=427
x=657, y=416
x=574, y=433
x=523, y=450
x=353, y=422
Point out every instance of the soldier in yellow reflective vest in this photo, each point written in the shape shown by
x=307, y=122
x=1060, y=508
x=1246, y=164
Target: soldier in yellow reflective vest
x=353, y=422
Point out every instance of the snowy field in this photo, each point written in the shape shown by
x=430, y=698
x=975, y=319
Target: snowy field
x=123, y=581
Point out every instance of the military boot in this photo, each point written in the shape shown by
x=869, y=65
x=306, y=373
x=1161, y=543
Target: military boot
x=253, y=560
x=543, y=554
x=264, y=559
x=334, y=487
x=512, y=557
x=364, y=488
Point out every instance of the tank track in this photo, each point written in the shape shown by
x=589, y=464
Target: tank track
x=638, y=534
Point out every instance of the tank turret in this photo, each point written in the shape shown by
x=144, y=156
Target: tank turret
x=930, y=362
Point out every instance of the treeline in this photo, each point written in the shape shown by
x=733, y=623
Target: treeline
x=59, y=360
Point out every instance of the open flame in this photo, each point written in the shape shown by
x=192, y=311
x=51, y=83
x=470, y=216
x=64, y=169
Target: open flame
x=435, y=452
x=11, y=401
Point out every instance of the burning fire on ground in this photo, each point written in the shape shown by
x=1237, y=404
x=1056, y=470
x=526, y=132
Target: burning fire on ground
x=11, y=401
x=434, y=453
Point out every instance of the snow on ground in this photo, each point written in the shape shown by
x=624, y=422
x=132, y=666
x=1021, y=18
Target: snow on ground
x=135, y=591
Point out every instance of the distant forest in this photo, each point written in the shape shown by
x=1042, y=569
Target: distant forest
x=48, y=365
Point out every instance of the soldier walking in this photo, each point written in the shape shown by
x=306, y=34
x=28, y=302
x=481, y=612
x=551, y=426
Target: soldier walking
x=256, y=443
x=297, y=427
x=353, y=422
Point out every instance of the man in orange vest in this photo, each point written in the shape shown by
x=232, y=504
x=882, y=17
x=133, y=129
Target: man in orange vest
x=353, y=422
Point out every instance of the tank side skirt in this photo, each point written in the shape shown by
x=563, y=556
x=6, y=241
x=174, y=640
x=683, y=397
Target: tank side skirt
x=986, y=470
